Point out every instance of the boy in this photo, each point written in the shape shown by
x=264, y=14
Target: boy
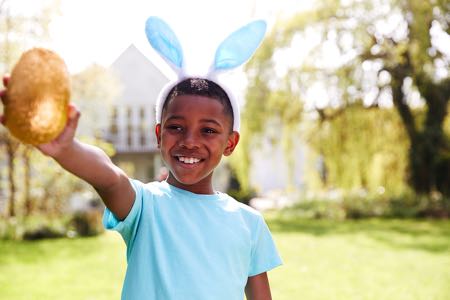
x=184, y=240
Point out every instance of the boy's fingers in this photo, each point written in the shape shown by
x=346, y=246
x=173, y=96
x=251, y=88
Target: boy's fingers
x=74, y=115
x=3, y=96
x=6, y=80
x=73, y=111
x=2, y=119
x=3, y=91
x=71, y=108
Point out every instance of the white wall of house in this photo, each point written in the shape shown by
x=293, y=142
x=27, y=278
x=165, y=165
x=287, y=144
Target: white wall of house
x=270, y=169
x=133, y=120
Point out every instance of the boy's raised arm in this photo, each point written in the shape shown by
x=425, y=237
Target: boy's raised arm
x=95, y=167
x=91, y=164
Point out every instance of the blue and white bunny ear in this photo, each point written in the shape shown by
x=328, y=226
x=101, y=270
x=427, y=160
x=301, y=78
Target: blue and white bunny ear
x=162, y=38
x=239, y=46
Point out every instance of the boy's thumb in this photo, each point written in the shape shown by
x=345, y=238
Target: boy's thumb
x=73, y=111
x=74, y=116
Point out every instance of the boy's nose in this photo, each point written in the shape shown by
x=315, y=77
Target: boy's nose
x=189, y=141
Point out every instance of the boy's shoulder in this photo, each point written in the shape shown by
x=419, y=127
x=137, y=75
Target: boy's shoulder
x=242, y=206
x=163, y=189
x=157, y=188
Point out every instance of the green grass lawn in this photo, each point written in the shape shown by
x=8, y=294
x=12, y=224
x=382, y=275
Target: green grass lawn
x=370, y=259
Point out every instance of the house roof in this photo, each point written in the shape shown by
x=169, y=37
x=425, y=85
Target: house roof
x=141, y=80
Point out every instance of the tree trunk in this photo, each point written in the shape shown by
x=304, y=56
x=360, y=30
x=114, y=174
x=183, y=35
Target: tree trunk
x=27, y=181
x=435, y=147
x=10, y=151
x=428, y=168
x=421, y=157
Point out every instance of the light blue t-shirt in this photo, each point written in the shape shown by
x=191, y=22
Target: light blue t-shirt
x=183, y=246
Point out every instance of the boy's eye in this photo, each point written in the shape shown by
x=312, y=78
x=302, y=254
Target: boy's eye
x=209, y=130
x=174, y=127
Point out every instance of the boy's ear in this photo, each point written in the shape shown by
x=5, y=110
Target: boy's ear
x=158, y=134
x=233, y=140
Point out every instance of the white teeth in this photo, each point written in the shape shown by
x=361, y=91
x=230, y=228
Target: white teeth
x=188, y=160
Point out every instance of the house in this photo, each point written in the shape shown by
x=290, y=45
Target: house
x=131, y=128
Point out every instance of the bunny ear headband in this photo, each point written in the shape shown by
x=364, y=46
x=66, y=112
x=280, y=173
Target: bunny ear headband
x=235, y=50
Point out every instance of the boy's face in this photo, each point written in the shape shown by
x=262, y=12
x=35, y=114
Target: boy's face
x=193, y=135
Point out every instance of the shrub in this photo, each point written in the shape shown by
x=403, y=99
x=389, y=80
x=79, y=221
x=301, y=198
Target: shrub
x=87, y=223
x=242, y=195
x=43, y=232
x=11, y=229
x=359, y=206
x=316, y=209
x=32, y=228
x=36, y=227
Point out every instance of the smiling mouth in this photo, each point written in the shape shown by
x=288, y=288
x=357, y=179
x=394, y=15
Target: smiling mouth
x=188, y=160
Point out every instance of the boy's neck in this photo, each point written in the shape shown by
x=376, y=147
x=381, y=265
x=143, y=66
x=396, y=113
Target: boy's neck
x=203, y=187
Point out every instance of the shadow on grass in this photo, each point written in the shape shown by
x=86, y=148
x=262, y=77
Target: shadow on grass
x=421, y=234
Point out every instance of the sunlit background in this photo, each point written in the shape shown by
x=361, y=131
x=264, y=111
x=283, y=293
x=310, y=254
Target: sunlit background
x=345, y=141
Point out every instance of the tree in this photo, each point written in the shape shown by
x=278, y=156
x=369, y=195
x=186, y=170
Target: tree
x=413, y=64
x=363, y=148
x=376, y=53
x=93, y=91
x=18, y=32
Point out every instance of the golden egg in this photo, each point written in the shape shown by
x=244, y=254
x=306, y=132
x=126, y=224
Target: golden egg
x=37, y=97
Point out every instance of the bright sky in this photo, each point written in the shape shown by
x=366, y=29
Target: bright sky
x=99, y=30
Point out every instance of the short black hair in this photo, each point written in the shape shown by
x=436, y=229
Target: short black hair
x=201, y=87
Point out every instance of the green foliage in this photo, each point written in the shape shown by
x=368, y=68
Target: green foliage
x=43, y=232
x=20, y=31
x=11, y=229
x=315, y=209
x=361, y=148
x=32, y=228
x=50, y=185
x=354, y=206
x=242, y=195
x=44, y=226
x=87, y=223
x=235, y=189
x=38, y=185
x=360, y=54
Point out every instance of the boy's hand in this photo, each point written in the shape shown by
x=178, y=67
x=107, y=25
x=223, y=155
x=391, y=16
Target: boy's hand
x=67, y=136
x=64, y=140
x=89, y=163
x=3, y=94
